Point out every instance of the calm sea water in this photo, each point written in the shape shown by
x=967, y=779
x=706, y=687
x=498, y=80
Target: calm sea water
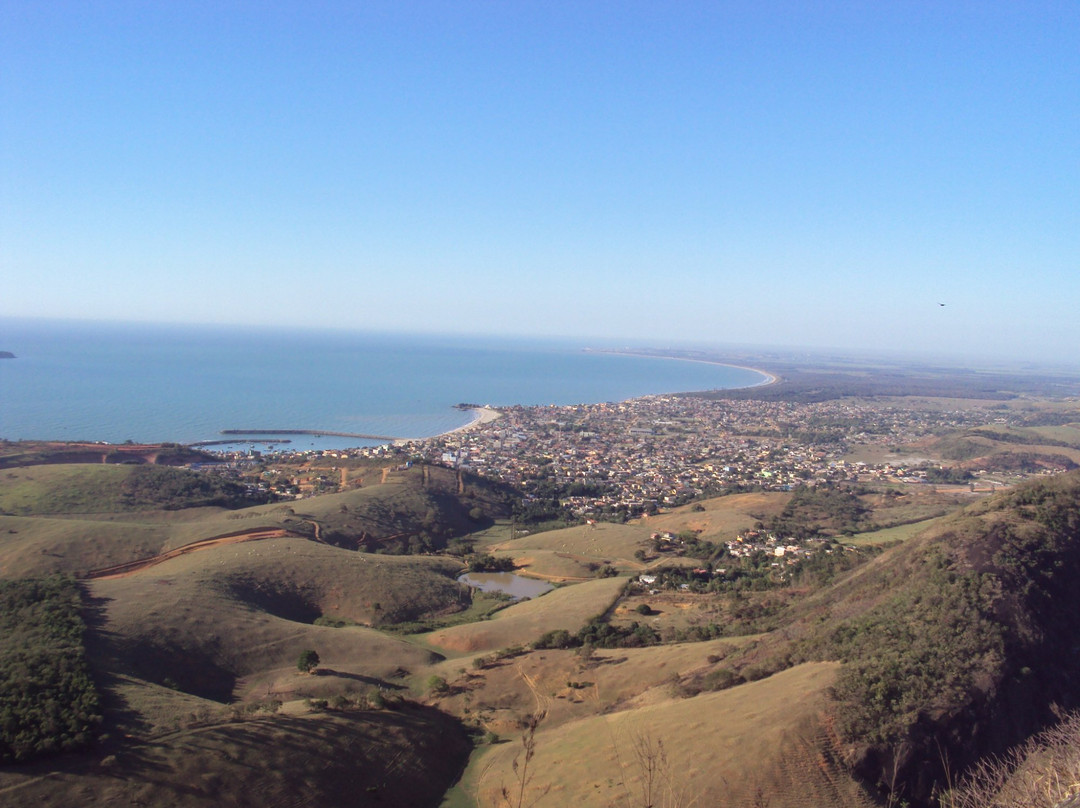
x=171, y=383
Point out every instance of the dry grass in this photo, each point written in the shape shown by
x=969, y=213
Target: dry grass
x=723, y=517
x=1042, y=773
x=569, y=607
x=722, y=749
x=600, y=542
x=386, y=758
x=40, y=545
x=188, y=620
x=571, y=687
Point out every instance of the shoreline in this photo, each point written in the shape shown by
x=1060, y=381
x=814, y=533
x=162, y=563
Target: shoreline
x=487, y=414
x=480, y=416
x=770, y=378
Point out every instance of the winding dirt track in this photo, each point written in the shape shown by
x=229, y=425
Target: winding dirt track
x=131, y=567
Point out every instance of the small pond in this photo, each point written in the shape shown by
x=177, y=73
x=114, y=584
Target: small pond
x=516, y=586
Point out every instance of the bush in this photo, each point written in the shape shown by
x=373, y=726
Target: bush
x=437, y=685
x=308, y=661
x=721, y=679
x=559, y=638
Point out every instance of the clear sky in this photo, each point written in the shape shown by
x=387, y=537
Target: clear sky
x=790, y=173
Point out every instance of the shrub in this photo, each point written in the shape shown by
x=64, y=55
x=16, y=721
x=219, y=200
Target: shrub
x=308, y=661
x=437, y=685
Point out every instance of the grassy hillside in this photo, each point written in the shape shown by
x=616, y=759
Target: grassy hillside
x=757, y=745
x=233, y=617
x=954, y=645
x=569, y=607
x=14, y=454
x=87, y=489
x=78, y=518
x=404, y=757
x=857, y=685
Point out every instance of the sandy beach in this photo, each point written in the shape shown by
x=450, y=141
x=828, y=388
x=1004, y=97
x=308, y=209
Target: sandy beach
x=480, y=416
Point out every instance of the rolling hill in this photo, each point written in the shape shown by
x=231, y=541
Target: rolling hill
x=875, y=685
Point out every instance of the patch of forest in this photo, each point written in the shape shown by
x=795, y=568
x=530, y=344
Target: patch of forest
x=170, y=489
x=48, y=702
x=973, y=636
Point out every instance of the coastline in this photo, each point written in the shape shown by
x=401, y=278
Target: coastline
x=770, y=378
x=487, y=414
x=480, y=416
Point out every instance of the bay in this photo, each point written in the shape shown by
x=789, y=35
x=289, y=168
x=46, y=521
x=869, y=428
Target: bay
x=148, y=383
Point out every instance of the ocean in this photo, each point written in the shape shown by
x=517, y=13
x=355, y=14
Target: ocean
x=150, y=383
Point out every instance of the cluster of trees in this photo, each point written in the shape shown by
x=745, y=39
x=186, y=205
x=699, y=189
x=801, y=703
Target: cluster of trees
x=48, y=702
x=598, y=633
x=819, y=510
x=172, y=489
x=542, y=496
x=490, y=563
x=925, y=646
x=948, y=476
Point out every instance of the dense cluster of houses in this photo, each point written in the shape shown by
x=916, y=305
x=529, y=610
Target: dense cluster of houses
x=660, y=451
x=639, y=455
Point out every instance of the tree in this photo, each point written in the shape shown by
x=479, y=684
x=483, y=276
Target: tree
x=308, y=662
x=437, y=685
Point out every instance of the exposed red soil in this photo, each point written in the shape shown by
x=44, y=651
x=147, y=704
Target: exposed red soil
x=132, y=567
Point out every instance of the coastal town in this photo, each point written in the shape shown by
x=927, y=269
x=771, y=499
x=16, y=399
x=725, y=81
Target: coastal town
x=613, y=461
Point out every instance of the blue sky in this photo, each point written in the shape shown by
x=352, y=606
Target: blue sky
x=808, y=174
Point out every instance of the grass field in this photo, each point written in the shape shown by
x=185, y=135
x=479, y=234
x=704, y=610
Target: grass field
x=62, y=489
x=569, y=686
x=568, y=607
x=231, y=622
x=719, y=749
x=890, y=534
x=723, y=518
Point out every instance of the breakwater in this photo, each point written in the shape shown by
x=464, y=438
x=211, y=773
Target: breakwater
x=317, y=432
